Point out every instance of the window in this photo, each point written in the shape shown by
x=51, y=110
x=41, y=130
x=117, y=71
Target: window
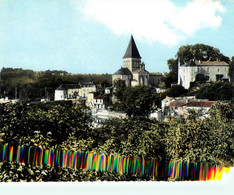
x=207, y=69
x=218, y=70
x=198, y=69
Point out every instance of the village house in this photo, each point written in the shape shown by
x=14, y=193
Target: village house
x=165, y=103
x=175, y=106
x=74, y=91
x=183, y=109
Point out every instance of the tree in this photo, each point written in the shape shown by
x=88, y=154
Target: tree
x=175, y=91
x=120, y=86
x=200, y=78
x=138, y=101
x=231, y=70
x=215, y=91
x=208, y=141
x=19, y=121
x=134, y=137
x=200, y=52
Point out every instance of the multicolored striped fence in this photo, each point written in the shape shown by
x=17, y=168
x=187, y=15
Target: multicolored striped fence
x=36, y=156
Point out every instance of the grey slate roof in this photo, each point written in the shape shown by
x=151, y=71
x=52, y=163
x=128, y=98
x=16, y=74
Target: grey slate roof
x=68, y=86
x=123, y=71
x=86, y=84
x=204, y=63
x=132, y=51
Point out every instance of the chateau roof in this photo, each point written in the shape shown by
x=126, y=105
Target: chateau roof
x=205, y=63
x=86, y=84
x=132, y=51
x=123, y=71
x=68, y=86
x=211, y=63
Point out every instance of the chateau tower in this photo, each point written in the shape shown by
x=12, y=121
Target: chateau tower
x=132, y=58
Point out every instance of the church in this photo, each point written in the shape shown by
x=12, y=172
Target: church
x=133, y=71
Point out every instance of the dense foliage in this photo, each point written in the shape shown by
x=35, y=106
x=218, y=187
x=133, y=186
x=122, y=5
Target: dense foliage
x=175, y=91
x=55, y=123
x=215, y=91
x=68, y=127
x=209, y=140
x=136, y=101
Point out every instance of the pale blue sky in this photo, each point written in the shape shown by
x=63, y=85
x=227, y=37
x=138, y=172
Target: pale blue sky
x=91, y=36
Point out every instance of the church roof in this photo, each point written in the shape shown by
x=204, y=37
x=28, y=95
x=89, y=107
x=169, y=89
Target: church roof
x=132, y=51
x=123, y=71
x=139, y=70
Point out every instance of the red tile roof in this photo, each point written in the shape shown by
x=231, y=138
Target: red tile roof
x=176, y=104
x=201, y=104
x=206, y=104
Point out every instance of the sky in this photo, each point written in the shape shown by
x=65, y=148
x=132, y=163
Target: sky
x=91, y=36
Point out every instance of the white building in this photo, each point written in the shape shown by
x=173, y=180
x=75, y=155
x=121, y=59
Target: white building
x=74, y=91
x=207, y=71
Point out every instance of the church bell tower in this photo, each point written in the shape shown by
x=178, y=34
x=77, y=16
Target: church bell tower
x=132, y=58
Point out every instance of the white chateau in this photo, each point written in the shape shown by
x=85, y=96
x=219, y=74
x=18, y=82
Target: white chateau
x=133, y=70
x=207, y=71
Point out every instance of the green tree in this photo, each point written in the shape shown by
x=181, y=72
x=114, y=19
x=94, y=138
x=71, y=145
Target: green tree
x=138, y=101
x=175, y=91
x=20, y=121
x=134, y=137
x=215, y=91
x=231, y=69
x=172, y=76
x=209, y=140
x=120, y=86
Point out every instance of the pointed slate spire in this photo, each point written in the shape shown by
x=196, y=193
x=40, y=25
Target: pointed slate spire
x=132, y=51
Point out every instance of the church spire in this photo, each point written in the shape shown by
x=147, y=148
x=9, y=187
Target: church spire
x=132, y=51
